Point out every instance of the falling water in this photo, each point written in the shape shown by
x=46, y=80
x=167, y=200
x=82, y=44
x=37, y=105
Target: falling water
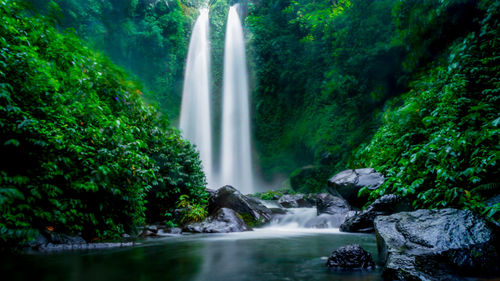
x=236, y=162
x=195, y=111
x=304, y=218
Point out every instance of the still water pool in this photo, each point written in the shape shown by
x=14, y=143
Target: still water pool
x=264, y=254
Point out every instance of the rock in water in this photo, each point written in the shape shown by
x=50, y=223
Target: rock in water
x=350, y=257
x=294, y=201
x=436, y=245
x=329, y=204
x=348, y=183
x=229, y=197
x=383, y=206
x=223, y=221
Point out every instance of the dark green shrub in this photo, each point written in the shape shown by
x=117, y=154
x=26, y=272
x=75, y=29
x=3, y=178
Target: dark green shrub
x=80, y=149
x=442, y=146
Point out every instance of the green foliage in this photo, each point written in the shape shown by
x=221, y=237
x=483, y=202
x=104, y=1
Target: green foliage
x=249, y=220
x=191, y=212
x=441, y=147
x=324, y=71
x=311, y=179
x=271, y=195
x=148, y=38
x=80, y=149
x=428, y=27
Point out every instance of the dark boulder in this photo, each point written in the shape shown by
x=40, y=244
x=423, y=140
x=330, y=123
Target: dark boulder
x=210, y=191
x=295, y=201
x=39, y=241
x=247, y=207
x=383, y=206
x=348, y=183
x=52, y=238
x=59, y=238
x=329, y=204
x=445, y=244
x=223, y=221
x=350, y=257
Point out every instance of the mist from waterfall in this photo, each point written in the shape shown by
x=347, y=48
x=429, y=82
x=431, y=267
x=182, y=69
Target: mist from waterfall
x=236, y=161
x=195, y=121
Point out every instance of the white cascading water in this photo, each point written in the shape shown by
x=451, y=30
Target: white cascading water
x=301, y=218
x=236, y=161
x=195, y=119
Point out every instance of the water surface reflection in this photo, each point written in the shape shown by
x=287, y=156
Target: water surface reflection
x=266, y=254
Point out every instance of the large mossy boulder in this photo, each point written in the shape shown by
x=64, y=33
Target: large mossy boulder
x=383, y=206
x=445, y=244
x=223, y=221
x=348, y=183
x=252, y=211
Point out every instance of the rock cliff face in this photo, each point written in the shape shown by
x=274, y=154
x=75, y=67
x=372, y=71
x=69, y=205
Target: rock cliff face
x=442, y=244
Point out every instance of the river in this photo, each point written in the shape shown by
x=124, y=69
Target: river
x=264, y=254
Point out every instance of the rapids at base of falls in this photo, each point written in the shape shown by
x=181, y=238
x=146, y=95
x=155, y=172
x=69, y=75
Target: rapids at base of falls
x=303, y=218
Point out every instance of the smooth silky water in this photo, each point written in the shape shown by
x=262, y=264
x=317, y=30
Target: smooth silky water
x=281, y=251
x=195, y=119
x=259, y=255
x=236, y=152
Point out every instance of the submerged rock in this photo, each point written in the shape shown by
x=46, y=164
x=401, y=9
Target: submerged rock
x=348, y=183
x=436, y=245
x=350, y=257
x=231, y=198
x=383, y=206
x=223, y=221
x=295, y=201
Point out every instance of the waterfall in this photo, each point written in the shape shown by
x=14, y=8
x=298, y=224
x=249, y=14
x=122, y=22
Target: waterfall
x=236, y=162
x=195, y=119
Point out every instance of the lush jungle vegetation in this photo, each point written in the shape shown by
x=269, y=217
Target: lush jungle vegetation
x=408, y=87
x=81, y=151
x=148, y=38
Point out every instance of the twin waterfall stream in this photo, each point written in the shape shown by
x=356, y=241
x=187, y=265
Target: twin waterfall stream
x=234, y=164
x=235, y=160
